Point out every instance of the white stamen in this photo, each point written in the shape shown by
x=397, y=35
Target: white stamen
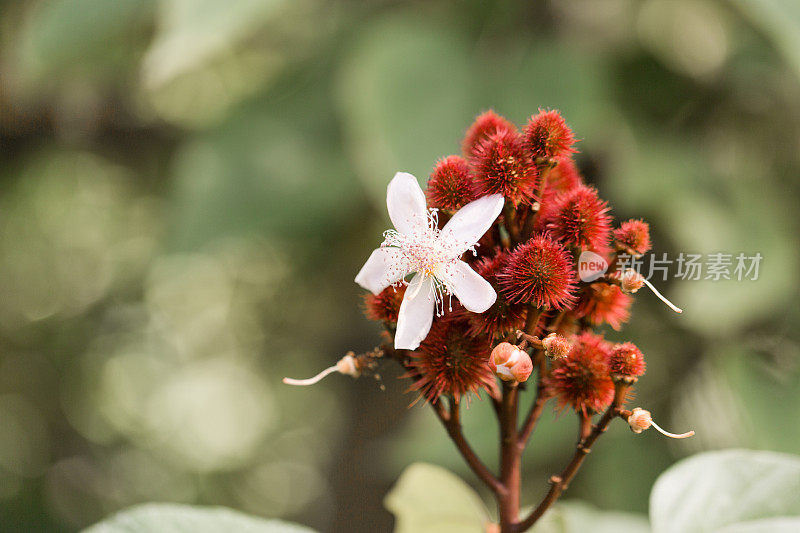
x=311, y=381
x=662, y=298
x=427, y=253
x=641, y=419
x=671, y=435
x=346, y=365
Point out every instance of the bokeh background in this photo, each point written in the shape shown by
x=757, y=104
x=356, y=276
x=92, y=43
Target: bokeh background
x=189, y=187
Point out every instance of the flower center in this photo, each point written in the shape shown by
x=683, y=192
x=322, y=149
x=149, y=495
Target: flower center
x=422, y=250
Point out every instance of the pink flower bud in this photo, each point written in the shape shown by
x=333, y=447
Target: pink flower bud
x=631, y=281
x=556, y=346
x=510, y=363
x=640, y=419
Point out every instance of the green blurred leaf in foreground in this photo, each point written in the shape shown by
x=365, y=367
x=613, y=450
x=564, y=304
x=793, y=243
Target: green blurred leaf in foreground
x=730, y=488
x=430, y=499
x=732, y=491
x=170, y=518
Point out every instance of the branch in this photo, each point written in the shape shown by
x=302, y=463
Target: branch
x=538, y=405
x=559, y=483
x=510, y=220
x=510, y=454
x=452, y=423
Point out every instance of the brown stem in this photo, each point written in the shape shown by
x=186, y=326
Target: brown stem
x=532, y=319
x=584, y=426
x=559, y=483
x=538, y=404
x=530, y=222
x=511, y=224
x=452, y=423
x=510, y=463
x=556, y=322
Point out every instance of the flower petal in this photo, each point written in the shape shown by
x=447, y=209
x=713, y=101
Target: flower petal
x=471, y=221
x=416, y=313
x=475, y=293
x=384, y=267
x=406, y=203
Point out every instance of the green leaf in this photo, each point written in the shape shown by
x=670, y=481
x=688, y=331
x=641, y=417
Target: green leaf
x=63, y=33
x=770, y=525
x=193, y=31
x=716, y=489
x=430, y=499
x=780, y=21
x=579, y=517
x=174, y=518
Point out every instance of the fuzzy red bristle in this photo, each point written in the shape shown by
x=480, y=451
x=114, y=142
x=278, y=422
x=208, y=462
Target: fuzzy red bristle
x=601, y=302
x=539, y=272
x=503, y=317
x=450, y=186
x=633, y=237
x=582, y=379
x=384, y=306
x=627, y=360
x=500, y=165
x=448, y=362
x=564, y=176
x=485, y=124
x=547, y=135
x=580, y=218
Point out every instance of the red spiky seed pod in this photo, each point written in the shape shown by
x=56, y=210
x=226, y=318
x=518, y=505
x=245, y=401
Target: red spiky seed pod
x=626, y=360
x=633, y=237
x=580, y=218
x=503, y=317
x=510, y=363
x=384, y=306
x=600, y=303
x=539, y=272
x=485, y=125
x=448, y=362
x=450, y=186
x=500, y=166
x=547, y=135
x=564, y=176
x=581, y=379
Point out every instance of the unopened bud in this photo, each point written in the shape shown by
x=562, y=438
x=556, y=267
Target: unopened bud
x=640, y=419
x=556, y=346
x=510, y=363
x=346, y=365
x=631, y=281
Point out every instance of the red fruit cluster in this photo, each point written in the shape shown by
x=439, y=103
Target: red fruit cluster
x=486, y=125
x=600, y=303
x=451, y=363
x=504, y=317
x=450, y=186
x=539, y=272
x=633, y=237
x=501, y=165
x=385, y=306
x=580, y=219
x=529, y=256
x=547, y=135
x=582, y=379
x=627, y=360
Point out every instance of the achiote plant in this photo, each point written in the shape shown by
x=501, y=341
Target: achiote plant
x=502, y=269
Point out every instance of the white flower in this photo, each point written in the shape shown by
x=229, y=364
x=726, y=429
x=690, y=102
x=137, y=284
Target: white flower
x=416, y=245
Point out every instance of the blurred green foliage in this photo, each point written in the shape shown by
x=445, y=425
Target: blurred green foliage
x=190, y=186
